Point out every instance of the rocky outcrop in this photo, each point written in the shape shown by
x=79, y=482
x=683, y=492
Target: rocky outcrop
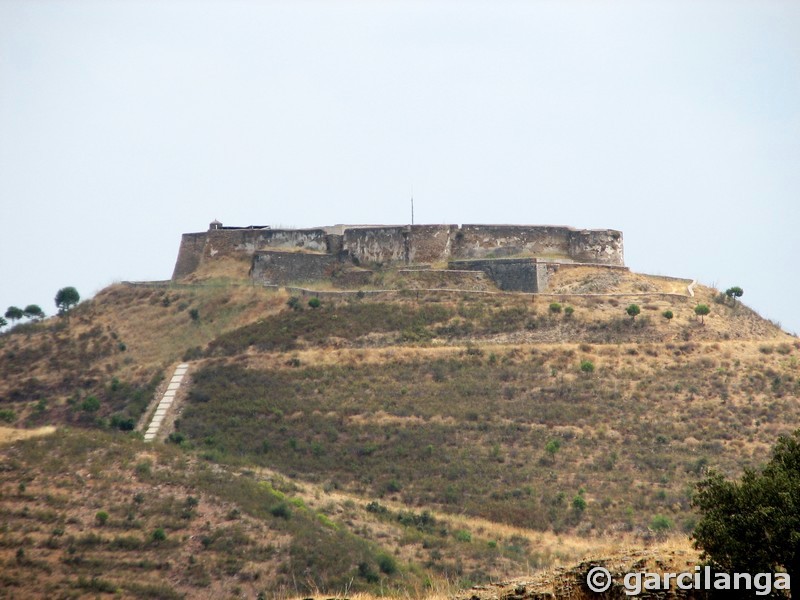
x=571, y=583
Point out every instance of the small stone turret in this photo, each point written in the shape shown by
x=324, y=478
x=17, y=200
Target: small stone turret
x=214, y=225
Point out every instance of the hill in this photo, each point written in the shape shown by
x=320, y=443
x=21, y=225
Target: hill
x=416, y=439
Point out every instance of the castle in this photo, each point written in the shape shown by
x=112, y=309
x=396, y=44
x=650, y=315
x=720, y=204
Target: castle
x=511, y=257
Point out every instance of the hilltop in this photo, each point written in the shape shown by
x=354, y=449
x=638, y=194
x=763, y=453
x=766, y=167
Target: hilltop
x=403, y=436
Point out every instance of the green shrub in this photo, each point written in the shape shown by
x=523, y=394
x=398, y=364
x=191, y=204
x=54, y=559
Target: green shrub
x=326, y=521
x=555, y=308
x=7, y=415
x=462, y=535
x=314, y=302
x=661, y=524
x=393, y=486
x=587, y=366
x=367, y=572
x=95, y=584
x=194, y=314
x=281, y=511
x=568, y=311
x=552, y=447
x=633, y=310
x=144, y=468
x=101, y=517
x=377, y=508
x=122, y=422
x=90, y=404
x=193, y=353
x=667, y=314
x=387, y=564
x=293, y=303
x=158, y=535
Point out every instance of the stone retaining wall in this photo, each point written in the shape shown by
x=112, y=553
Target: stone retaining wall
x=288, y=267
x=410, y=244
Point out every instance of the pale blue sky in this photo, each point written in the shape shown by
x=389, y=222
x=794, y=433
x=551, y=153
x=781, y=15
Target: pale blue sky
x=124, y=124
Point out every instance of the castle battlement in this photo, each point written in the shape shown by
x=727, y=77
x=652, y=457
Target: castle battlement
x=288, y=255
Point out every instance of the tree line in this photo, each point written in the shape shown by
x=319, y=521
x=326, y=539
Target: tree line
x=66, y=298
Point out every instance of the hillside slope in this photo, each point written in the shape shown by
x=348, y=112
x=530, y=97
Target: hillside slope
x=442, y=436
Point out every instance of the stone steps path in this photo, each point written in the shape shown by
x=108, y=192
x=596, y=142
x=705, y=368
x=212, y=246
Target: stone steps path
x=166, y=402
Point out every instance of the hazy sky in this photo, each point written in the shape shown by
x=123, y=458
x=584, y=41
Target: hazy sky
x=124, y=124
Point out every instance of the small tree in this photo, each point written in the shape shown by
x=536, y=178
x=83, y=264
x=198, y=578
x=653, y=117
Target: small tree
x=568, y=311
x=294, y=303
x=552, y=447
x=734, y=292
x=34, y=311
x=14, y=314
x=314, y=302
x=3, y=322
x=633, y=310
x=66, y=298
x=587, y=366
x=555, y=308
x=667, y=314
x=701, y=310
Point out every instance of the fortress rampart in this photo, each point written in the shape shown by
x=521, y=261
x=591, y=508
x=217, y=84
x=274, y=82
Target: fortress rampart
x=511, y=255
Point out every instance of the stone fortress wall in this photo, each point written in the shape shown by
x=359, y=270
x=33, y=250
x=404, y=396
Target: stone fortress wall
x=514, y=257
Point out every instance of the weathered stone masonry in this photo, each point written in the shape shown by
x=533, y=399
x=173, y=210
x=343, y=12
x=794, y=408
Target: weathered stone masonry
x=515, y=257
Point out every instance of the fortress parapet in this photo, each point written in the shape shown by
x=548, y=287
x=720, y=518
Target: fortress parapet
x=290, y=255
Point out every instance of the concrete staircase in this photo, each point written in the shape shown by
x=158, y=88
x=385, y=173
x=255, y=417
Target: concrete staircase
x=165, y=402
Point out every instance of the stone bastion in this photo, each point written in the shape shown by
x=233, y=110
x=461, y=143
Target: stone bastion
x=513, y=257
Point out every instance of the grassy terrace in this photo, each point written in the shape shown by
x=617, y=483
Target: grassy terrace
x=82, y=512
x=468, y=429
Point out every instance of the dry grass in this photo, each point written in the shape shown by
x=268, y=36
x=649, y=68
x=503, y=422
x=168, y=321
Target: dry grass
x=227, y=267
x=673, y=555
x=9, y=434
x=126, y=332
x=589, y=280
x=737, y=373
x=157, y=335
x=553, y=550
